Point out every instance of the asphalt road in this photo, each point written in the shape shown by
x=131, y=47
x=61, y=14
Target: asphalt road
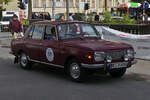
x=46, y=83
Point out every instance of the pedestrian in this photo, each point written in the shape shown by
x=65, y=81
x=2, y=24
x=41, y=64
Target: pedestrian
x=145, y=18
x=112, y=11
x=15, y=27
x=96, y=17
x=47, y=16
x=71, y=16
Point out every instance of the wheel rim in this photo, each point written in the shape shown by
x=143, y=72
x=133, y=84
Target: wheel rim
x=23, y=60
x=75, y=70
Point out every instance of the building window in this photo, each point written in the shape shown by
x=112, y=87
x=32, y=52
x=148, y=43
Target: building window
x=43, y=3
x=71, y=3
x=36, y=4
x=49, y=3
x=77, y=4
x=93, y=4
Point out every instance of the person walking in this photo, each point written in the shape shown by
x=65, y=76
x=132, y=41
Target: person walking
x=15, y=27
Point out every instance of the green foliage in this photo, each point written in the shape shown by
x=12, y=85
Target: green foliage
x=127, y=20
x=108, y=19
x=5, y=1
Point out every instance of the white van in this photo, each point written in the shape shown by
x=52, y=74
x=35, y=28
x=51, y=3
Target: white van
x=6, y=18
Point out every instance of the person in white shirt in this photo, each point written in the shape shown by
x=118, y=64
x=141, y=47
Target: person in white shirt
x=71, y=17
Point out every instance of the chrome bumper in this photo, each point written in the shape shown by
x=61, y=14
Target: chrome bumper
x=92, y=66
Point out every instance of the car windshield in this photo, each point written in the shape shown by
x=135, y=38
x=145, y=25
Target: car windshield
x=6, y=18
x=77, y=30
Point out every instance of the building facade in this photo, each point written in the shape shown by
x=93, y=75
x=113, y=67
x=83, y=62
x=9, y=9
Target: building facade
x=75, y=5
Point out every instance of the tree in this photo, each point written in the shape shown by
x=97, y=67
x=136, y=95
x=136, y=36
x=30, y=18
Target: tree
x=4, y=1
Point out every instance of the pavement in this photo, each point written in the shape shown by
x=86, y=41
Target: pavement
x=47, y=83
x=5, y=39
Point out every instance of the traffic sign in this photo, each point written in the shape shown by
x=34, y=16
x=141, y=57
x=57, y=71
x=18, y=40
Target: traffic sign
x=26, y=1
x=146, y=5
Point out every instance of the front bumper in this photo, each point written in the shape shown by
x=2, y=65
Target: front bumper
x=98, y=66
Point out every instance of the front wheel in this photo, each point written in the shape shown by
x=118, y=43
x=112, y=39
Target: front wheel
x=117, y=73
x=75, y=71
x=24, y=62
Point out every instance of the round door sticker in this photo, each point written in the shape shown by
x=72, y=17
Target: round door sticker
x=49, y=54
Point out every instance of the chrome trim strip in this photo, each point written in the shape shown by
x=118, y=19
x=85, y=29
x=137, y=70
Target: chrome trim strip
x=103, y=65
x=45, y=63
x=92, y=65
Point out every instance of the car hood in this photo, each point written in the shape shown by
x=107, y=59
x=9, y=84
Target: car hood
x=96, y=44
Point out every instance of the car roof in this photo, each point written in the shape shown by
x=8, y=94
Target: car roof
x=58, y=22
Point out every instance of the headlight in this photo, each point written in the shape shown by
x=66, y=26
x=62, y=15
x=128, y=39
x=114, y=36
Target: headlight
x=99, y=56
x=130, y=53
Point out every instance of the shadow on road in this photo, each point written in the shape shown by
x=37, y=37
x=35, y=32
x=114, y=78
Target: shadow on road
x=52, y=73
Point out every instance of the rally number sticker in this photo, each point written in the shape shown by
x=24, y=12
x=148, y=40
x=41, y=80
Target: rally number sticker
x=49, y=54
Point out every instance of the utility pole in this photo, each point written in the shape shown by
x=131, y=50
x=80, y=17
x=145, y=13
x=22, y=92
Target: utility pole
x=29, y=9
x=53, y=9
x=105, y=5
x=67, y=9
x=44, y=5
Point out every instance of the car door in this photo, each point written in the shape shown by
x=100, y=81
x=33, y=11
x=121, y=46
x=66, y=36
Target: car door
x=33, y=42
x=50, y=46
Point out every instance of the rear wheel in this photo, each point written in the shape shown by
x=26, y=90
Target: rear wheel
x=24, y=61
x=117, y=73
x=75, y=71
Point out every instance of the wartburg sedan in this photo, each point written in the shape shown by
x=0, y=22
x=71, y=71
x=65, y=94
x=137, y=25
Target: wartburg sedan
x=75, y=46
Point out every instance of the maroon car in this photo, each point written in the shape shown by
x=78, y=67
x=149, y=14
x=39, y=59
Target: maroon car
x=75, y=46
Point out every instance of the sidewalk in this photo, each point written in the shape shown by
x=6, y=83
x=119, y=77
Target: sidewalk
x=5, y=42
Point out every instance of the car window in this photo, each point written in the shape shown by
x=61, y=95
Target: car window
x=50, y=33
x=88, y=29
x=62, y=30
x=77, y=30
x=38, y=32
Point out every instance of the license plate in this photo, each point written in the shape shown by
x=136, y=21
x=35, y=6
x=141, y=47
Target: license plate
x=118, y=65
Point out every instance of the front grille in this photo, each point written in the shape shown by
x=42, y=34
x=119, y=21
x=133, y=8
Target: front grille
x=116, y=54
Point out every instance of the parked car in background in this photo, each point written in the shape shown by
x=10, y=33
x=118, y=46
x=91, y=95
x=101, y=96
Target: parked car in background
x=75, y=46
x=62, y=16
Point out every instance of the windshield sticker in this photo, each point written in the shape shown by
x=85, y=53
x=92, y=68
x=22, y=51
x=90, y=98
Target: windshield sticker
x=49, y=54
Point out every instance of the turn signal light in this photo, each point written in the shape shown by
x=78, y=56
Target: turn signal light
x=89, y=57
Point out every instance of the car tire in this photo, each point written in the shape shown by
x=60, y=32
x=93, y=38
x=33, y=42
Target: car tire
x=75, y=71
x=117, y=73
x=24, y=61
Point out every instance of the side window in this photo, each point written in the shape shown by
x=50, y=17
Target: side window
x=50, y=33
x=62, y=30
x=38, y=32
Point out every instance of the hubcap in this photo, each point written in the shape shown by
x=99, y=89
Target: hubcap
x=75, y=70
x=24, y=60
